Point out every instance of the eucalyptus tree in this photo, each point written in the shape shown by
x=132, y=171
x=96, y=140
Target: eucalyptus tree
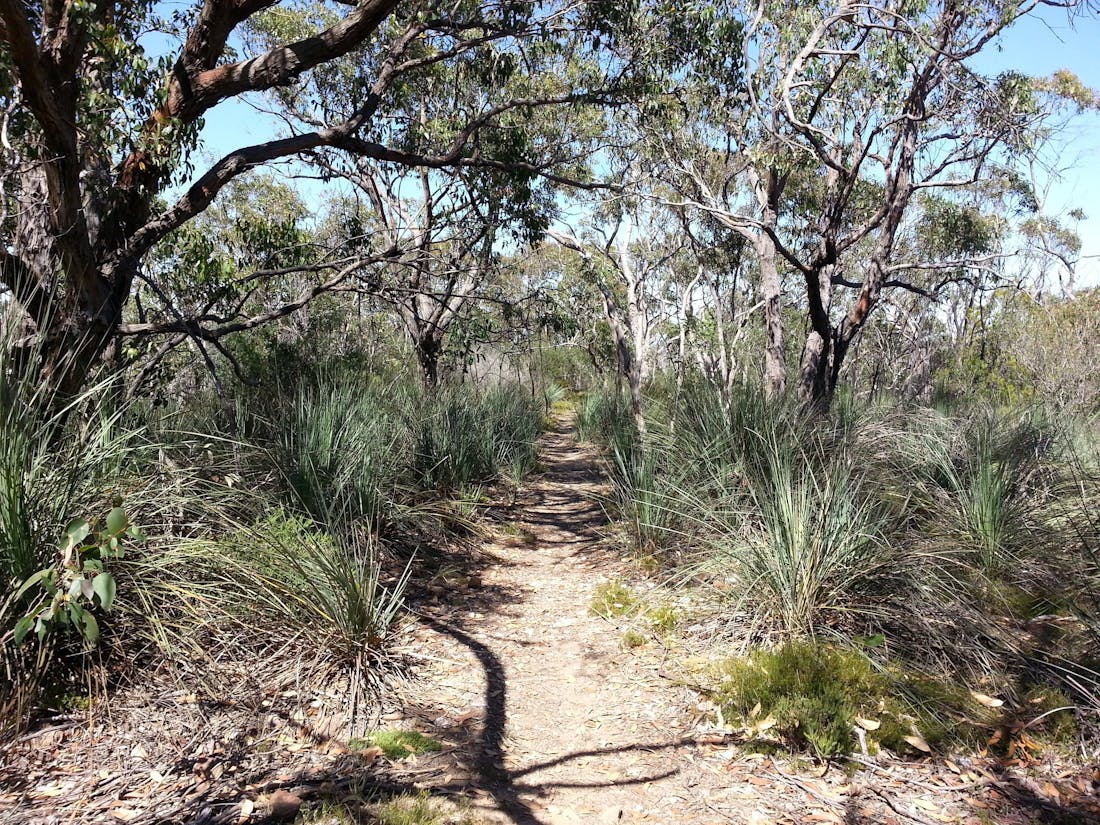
x=97, y=130
x=629, y=248
x=848, y=112
x=444, y=223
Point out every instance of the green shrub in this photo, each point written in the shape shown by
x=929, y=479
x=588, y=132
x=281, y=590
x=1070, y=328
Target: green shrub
x=61, y=464
x=613, y=598
x=813, y=697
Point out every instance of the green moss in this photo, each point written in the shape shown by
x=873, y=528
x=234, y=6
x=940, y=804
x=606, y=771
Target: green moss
x=421, y=809
x=812, y=697
x=633, y=638
x=613, y=598
x=664, y=618
x=1048, y=719
x=398, y=744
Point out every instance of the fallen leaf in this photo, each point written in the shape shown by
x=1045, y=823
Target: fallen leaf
x=868, y=724
x=988, y=701
x=247, y=807
x=917, y=741
x=125, y=814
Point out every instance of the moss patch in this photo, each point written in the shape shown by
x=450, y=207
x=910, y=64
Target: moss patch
x=612, y=599
x=632, y=639
x=421, y=809
x=398, y=744
x=663, y=618
x=815, y=698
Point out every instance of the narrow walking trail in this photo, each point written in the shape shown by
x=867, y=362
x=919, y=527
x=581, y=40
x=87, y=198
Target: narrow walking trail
x=565, y=724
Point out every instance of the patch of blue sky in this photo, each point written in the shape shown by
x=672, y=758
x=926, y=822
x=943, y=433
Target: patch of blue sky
x=1039, y=45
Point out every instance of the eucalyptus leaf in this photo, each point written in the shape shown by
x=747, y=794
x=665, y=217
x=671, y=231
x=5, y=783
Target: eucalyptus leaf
x=22, y=628
x=91, y=628
x=76, y=531
x=104, y=585
x=40, y=576
x=117, y=522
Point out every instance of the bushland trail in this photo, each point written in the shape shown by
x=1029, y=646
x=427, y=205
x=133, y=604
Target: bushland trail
x=566, y=725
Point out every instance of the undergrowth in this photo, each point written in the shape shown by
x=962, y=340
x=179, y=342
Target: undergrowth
x=281, y=522
x=966, y=541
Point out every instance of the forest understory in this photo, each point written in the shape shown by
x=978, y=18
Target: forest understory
x=520, y=703
x=549, y=412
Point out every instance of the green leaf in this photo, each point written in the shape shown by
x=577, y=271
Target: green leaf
x=878, y=640
x=76, y=589
x=76, y=531
x=104, y=585
x=40, y=576
x=117, y=521
x=91, y=628
x=22, y=628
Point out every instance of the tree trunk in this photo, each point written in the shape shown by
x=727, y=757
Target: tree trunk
x=428, y=350
x=771, y=288
x=814, y=385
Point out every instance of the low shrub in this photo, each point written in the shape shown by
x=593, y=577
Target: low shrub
x=813, y=697
x=613, y=598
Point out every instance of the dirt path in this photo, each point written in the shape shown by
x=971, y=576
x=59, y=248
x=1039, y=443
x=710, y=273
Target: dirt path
x=572, y=727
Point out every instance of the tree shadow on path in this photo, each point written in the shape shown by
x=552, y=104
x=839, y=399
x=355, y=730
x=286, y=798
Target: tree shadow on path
x=492, y=776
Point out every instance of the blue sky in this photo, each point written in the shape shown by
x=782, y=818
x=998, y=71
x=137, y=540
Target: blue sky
x=1038, y=45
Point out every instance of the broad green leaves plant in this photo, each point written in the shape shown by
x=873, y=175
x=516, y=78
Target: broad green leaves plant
x=70, y=592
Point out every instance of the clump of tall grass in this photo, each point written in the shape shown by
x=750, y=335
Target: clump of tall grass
x=811, y=540
x=280, y=588
x=937, y=534
x=59, y=460
x=987, y=478
x=355, y=452
x=463, y=435
x=342, y=449
x=604, y=417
